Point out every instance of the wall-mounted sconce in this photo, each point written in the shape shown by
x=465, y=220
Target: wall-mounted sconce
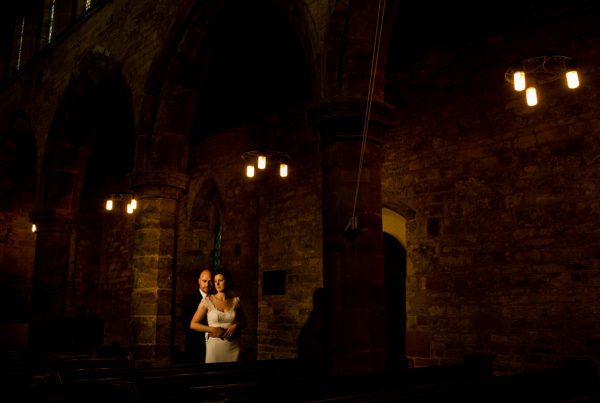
x=262, y=159
x=121, y=198
x=530, y=73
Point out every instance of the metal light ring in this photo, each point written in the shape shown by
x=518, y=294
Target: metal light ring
x=269, y=153
x=543, y=69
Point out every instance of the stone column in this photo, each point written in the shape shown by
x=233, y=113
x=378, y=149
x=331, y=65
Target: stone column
x=157, y=193
x=50, y=278
x=353, y=260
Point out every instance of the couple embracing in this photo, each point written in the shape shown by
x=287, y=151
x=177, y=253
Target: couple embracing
x=218, y=316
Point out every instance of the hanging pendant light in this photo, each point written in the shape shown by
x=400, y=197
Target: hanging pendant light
x=120, y=199
x=283, y=170
x=529, y=74
x=250, y=171
x=531, y=96
x=265, y=158
x=262, y=162
x=519, y=80
x=572, y=79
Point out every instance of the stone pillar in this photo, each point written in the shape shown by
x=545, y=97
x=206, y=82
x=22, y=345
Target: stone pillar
x=157, y=193
x=50, y=278
x=353, y=260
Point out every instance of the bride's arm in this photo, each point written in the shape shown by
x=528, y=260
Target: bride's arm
x=198, y=316
x=200, y=327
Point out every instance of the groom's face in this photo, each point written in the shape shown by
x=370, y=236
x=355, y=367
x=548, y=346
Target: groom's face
x=205, y=281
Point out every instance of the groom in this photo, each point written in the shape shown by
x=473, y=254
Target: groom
x=195, y=342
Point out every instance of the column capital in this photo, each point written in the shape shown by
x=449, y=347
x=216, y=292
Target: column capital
x=163, y=184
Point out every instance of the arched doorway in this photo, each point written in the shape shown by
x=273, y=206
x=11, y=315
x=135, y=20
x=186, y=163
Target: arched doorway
x=395, y=301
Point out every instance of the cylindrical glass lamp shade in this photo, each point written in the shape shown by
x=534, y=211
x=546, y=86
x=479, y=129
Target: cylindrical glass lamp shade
x=519, y=80
x=129, y=208
x=109, y=204
x=531, y=96
x=262, y=162
x=133, y=204
x=572, y=79
x=33, y=228
x=250, y=171
x=283, y=170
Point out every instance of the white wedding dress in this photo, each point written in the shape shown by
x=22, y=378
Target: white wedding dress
x=221, y=350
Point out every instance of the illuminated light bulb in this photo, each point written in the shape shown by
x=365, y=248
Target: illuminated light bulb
x=531, y=95
x=33, y=228
x=250, y=171
x=109, y=204
x=262, y=162
x=283, y=170
x=572, y=79
x=519, y=80
x=129, y=208
x=133, y=204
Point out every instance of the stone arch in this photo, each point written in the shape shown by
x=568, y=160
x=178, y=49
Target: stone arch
x=201, y=210
x=206, y=216
x=183, y=96
x=184, y=110
x=88, y=154
x=96, y=100
x=394, y=224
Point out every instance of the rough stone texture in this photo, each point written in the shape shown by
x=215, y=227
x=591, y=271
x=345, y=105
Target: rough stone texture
x=500, y=200
x=251, y=243
x=512, y=271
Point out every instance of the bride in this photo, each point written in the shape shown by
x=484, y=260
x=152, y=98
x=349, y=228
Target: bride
x=223, y=315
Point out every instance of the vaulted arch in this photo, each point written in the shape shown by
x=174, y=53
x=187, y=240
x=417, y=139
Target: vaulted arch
x=93, y=124
x=224, y=64
x=94, y=119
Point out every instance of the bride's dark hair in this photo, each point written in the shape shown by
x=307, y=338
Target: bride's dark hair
x=226, y=275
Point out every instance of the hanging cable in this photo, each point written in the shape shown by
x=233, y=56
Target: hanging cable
x=353, y=223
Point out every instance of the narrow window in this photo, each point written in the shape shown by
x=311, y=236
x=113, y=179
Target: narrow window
x=215, y=254
x=51, y=21
x=20, y=50
x=88, y=5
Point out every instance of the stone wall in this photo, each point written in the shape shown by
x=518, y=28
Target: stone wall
x=128, y=32
x=504, y=244
x=269, y=223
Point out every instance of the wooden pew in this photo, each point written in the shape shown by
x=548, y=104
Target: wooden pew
x=294, y=383
x=286, y=380
x=163, y=383
x=571, y=381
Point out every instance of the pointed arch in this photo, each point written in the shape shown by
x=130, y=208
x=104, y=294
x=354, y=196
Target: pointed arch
x=212, y=75
x=94, y=119
x=394, y=224
x=88, y=154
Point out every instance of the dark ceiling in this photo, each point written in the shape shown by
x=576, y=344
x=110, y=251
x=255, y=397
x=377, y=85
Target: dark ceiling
x=422, y=25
